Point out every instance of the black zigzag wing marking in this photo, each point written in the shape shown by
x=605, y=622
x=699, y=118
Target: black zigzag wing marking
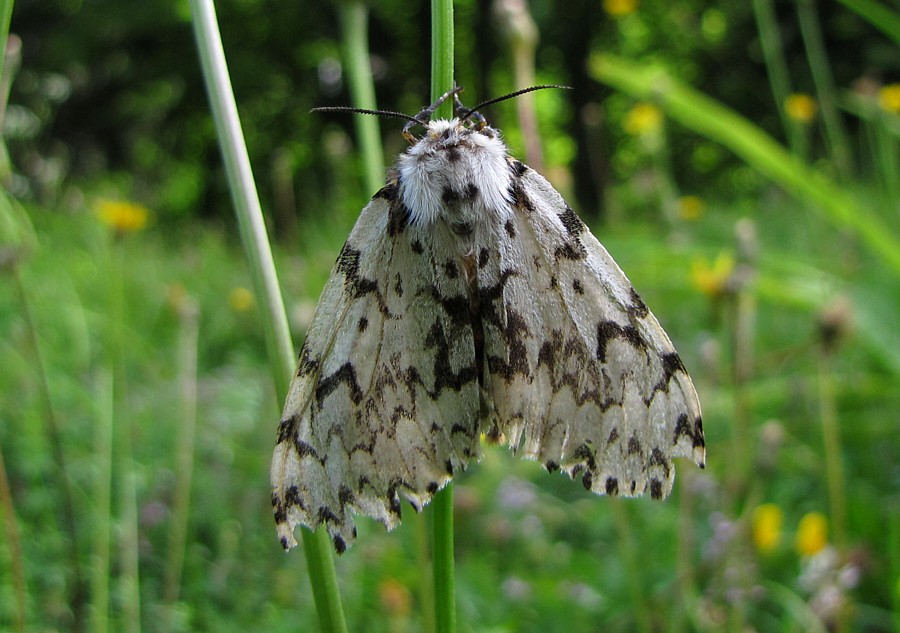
x=584, y=378
x=385, y=404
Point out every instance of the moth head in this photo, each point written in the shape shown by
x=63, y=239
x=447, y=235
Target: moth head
x=469, y=118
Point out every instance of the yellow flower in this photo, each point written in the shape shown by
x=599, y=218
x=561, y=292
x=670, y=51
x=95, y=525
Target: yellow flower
x=800, y=107
x=690, y=207
x=766, y=527
x=712, y=279
x=618, y=8
x=812, y=533
x=122, y=216
x=889, y=98
x=643, y=118
x=240, y=299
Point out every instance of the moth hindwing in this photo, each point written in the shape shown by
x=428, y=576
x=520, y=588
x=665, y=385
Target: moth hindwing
x=469, y=298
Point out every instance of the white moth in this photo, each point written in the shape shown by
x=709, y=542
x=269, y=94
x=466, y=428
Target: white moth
x=470, y=299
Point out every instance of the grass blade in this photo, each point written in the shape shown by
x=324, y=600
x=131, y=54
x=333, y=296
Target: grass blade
x=707, y=117
x=259, y=258
x=442, y=80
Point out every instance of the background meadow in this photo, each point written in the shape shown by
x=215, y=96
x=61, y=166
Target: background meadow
x=740, y=161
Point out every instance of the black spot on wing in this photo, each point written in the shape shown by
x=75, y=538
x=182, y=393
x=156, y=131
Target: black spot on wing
x=683, y=427
x=572, y=249
x=444, y=375
x=572, y=223
x=518, y=167
x=634, y=446
x=517, y=195
x=287, y=429
x=671, y=365
x=450, y=269
x=637, y=309
x=388, y=192
x=345, y=374
x=609, y=330
x=398, y=218
x=306, y=365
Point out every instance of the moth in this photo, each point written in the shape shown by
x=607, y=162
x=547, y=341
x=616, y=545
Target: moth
x=470, y=300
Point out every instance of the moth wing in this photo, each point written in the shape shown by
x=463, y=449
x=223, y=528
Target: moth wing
x=366, y=421
x=582, y=375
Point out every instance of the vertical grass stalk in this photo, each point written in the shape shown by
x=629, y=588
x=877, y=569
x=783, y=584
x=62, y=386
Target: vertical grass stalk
x=101, y=497
x=442, y=80
x=878, y=15
x=61, y=475
x=355, y=48
x=125, y=476
x=188, y=321
x=14, y=541
x=831, y=440
x=776, y=66
x=639, y=608
x=6, y=74
x=316, y=545
x=817, y=57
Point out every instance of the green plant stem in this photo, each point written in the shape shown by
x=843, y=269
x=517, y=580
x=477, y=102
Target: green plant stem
x=101, y=497
x=125, y=476
x=834, y=462
x=709, y=118
x=817, y=57
x=188, y=320
x=776, y=66
x=78, y=595
x=355, y=46
x=320, y=563
x=442, y=80
x=893, y=538
x=639, y=608
x=13, y=538
x=8, y=68
x=878, y=15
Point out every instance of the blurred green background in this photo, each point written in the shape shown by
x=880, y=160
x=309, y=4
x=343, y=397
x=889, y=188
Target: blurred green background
x=741, y=162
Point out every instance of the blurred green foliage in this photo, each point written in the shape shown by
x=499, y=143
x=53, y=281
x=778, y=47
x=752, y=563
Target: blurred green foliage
x=787, y=323
x=110, y=89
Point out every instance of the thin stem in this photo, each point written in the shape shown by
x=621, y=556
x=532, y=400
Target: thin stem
x=9, y=62
x=13, y=537
x=101, y=497
x=442, y=80
x=125, y=476
x=67, y=504
x=834, y=463
x=639, y=607
x=184, y=453
x=317, y=546
x=817, y=57
x=355, y=46
x=878, y=15
x=776, y=65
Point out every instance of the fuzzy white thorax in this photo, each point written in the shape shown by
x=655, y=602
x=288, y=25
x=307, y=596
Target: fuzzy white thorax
x=452, y=160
